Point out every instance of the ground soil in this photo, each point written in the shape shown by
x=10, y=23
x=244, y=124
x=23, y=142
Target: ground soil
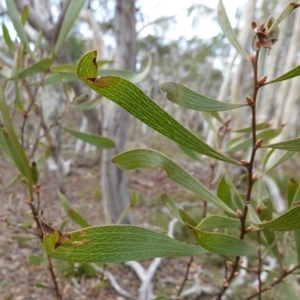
x=18, y=277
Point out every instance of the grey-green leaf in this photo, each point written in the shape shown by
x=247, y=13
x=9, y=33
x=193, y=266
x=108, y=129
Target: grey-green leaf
x=71, y=16
x=183, y=96
x=115, y=243
x=286, y=11
x=93, y=139
x=151, y=159
x=265, y=135
x=71, y=212
x=223, y=244
x=228, y=30
x=288, y=75
x=137, y=103
x=290, y=145
x=214, y=221
x=290, y=220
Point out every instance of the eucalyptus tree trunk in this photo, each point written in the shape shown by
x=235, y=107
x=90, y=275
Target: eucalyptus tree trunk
x=116, y=119
x=239, y=76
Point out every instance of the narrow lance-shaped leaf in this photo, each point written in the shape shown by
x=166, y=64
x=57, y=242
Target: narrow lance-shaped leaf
x=137, y=103
x=223, y=244
x=88, y=104
x=12, y=143
x=264, y=135
x=286, y=11
x=228, y=31
x=183, y=96
x=39, y=67
x=290, y=220
x=131, y=76
x=280, y=161
x=213, y=222
x=151, y=159
x=71, y=212
x=70, y=17
x=93, y=139
x=169, y=202
x=288, y=75
x=16, y=20
x=7, y=38
x=114, y=243
x=290, y=145
x=186, y=218
x=259, y=126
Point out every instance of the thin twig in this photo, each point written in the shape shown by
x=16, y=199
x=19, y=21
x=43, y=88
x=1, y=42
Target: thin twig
x=186, y=276
x=259, y=265
x=53, y=277
x=275, y=282
x=251, y=179
x=32, y=97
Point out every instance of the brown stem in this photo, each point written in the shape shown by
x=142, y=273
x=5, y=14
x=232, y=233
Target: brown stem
x=259, y=265
x=275, y=282
x=188, y=265
x=53, y=277
x=251, y=180
x=32, y=97
x=34, y=212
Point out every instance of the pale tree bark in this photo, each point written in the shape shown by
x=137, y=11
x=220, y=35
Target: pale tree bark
x=239, y=75
x=268, y=94
x=281, y=115
x=233, y=80
x=116, y=120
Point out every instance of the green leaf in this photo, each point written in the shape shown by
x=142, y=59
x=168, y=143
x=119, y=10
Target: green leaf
x=63, y=68
x=137, y=103
x=286, y=11
x=223, y=244
x=88, y=104
x=12, y=145
x=186, y=218
x=115, y=243
x=265, y=135
x=290, y=74
x=212, y=222
x=228, y=30
x=22, y=238
x=151, y=159
x=58, y=77
x=39, y=67
x=290, y=145
x=259, y=126
x=93, y=139
x=183, y=96
x=71, y=16
x=293, y=189
x=297, y=239
x=190, y=153
x=15, y=18
x=169, y=202
x=131, y=76
x=10, y=44
x=17, y=179
x=35, y=260
x=224, y=191
x=72, y=213
x=290, y=220
x=34, y=173
x=24, y=14
x=42, y=286
x=281, y=160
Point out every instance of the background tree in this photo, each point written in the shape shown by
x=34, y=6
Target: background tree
x=116, y=119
